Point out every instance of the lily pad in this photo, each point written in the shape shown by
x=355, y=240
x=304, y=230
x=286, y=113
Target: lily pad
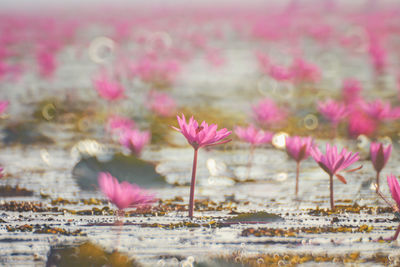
x=255, y=217
x=124, y=168
x=24, y=133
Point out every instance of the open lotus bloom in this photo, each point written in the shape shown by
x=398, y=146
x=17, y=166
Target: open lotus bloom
x=253, y=135
x=333, y=162
x=123, y=195
x=201, y=135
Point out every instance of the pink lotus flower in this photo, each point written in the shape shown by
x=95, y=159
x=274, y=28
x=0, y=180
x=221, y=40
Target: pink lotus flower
x=394, y=188
x=333, y=111
x=135, y=140
x=253, y=135
x=360, y=123
x=298, y=148
x=3, y=106
x=332, y=163
x=379, y=158
x=199, y=136
x=378, y=110
x=268, y=113
x=203, y=135
x=303, y=71
x=280, y=73
x=161, y=104
x=47, y=62
x=108, y=89
x=123, y=195
x=351, y=91
x=118, y=124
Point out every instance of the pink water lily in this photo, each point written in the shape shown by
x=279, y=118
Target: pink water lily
x=135, y=140
x=118, y=124
x=108, y=89
x=333, y=162
x=298, y=148
x=253, y=135
x=161, y=103
x=267, y=112
x=123, y=195
x=379, y=158
x=199, y=136
x=333, y=111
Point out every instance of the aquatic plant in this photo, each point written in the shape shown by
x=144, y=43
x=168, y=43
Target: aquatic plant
x=123, y=195
x=135, y=140
x=332, y=163
x=298, y=148
x=199, y=136
x=108, y=89
x=268, y=113
x=394, y=188
x=161, y=103
x=333, y=111
x=118, y=124
x=379, y=157
x=255, y=137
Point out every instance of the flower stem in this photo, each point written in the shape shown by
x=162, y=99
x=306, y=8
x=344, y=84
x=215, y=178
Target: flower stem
x=331, y=192
x=192, y=185
x=377, y=181
x=297, y=176
x=250, y=163
x=397, y=233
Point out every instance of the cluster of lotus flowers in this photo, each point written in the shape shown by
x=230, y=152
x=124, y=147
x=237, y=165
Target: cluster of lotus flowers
x=158, y=62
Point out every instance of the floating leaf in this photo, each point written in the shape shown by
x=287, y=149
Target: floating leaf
x=125, y=168
x=24, y=133
x=256, y=217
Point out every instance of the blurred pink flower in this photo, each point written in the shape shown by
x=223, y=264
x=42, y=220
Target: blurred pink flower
x=280, y=73
x=118, y=124
x=199, y=136
x=268, y=113
x=378, y=110
x=298, y=148
x=135, y=140
x=379, y=158
x=3, y=106
x=394, y=188
x=332, y=163
x=47, y=62
x=351, y=91
x=253, y=135
x=360, y=123
x=378, y=55
x=303, y=71
x=333, y=111
x=123, y=195
x=1, y=172
x=161, y=103
x=108, y=89
x=152, y=69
